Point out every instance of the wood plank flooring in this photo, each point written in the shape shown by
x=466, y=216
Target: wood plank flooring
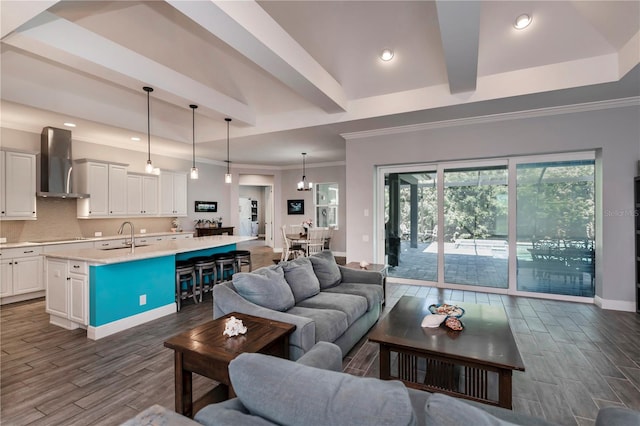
x=578, y=358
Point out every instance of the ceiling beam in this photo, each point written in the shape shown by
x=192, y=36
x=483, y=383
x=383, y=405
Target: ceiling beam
x=14, y=13
x=460, y=29
x=251, y=31
x=65, y=42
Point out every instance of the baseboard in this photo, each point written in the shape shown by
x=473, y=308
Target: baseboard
x=22, y=297
x=95, y=333
x=615, y=305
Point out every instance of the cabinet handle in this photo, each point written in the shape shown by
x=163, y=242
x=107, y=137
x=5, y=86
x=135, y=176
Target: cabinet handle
x=76, y=266
x=28, y=251
x=68, y=278
x=104, y=244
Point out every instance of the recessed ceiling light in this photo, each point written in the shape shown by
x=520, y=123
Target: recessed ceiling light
x=386, y=55
x=70, y=124
x=522, y=21
x=135, y=138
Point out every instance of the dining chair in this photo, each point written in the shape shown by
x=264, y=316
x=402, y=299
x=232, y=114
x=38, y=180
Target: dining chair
x=328, y=234
x=290, y=248
x=315, y=241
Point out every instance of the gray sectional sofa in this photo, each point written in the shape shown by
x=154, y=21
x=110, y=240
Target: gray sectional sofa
x=326, y=301
x=313, y=391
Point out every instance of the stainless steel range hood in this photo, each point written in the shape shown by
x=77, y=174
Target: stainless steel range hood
x=56, y=164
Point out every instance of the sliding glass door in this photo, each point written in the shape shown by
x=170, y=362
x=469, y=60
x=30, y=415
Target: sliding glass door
x=475, y=226
x=555, y=227
x=411, y=221
x=450, y=224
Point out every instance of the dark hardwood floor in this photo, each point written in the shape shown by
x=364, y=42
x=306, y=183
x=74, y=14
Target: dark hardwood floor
x=578, y=358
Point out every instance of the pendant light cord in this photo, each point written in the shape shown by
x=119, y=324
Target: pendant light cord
x=228, y=120
x=193, y=131
x=148, y=90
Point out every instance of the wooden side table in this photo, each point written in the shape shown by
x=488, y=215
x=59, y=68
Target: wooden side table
x=376, y=267
x=205, y=351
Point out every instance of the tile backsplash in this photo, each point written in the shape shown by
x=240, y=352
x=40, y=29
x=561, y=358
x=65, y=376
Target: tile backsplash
x=57, y=219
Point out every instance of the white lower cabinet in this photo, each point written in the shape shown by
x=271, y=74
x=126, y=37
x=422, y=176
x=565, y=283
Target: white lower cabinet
x=67, y=299
x=21, y=274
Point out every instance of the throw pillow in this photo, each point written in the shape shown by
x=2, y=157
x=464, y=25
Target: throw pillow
x=303, y=282
x=312, y=396
x=326, y=269
x=443, y=410
x=265, y=287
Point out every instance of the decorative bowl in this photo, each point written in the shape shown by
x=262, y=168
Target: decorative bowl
x=446, y=309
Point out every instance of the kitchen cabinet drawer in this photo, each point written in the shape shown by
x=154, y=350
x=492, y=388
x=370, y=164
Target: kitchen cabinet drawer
x=78, y=267
x=105, y=244
x=21, y=252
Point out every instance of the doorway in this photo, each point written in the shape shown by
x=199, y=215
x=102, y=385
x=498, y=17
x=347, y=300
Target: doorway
x=255, y=207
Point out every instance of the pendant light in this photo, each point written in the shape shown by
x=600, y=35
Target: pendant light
x=227, y=177
x=149, y=167
x=303, y=185
x=194, y=169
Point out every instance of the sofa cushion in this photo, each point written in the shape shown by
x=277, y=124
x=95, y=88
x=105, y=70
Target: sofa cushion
x=373, y=293
x=326, y=269
x=301, y=278
x=443, y=410
x=265, y=287
x=311, y=396
x=330, y=324
x=227, y=413
x=353, y=306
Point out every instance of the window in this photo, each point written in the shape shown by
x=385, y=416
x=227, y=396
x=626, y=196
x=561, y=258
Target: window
x=326, y=201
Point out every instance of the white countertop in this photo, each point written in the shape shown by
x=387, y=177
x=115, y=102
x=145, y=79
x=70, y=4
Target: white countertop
x=89, y=239
x=163, y=248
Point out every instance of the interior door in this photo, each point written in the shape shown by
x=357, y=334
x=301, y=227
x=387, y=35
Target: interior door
x=268, y=216
x=244, y=216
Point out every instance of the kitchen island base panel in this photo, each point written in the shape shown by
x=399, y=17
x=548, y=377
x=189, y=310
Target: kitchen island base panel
x=95, y=333
x=65, y=323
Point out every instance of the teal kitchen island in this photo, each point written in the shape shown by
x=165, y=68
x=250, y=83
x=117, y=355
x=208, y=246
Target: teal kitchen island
x=107, y=291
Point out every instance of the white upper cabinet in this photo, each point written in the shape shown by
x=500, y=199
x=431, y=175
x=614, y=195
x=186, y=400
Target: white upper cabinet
x=117, y=190
x=142, y=194
x=173, y=194
x=3, y=211
x=107, y=186
x=18, y=185
x=150, y=194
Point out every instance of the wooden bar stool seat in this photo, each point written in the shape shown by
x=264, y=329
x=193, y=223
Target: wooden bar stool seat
x=205, y=269
x=243, y=258
x=225, y=266
x=185, y=282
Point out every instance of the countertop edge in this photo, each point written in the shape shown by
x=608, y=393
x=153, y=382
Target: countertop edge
x=164, y=248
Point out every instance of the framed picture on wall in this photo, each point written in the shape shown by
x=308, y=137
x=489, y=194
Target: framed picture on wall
x=206, y=206
x=295, y=206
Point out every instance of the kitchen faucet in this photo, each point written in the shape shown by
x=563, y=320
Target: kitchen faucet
x=133, y=244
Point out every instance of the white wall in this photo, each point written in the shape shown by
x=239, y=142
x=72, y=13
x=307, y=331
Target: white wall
x=615, y=131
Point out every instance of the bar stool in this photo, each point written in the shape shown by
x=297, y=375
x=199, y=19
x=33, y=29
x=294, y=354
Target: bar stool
x=225, y=262
x=243, y=258
x=185, y=281
x=205, y=269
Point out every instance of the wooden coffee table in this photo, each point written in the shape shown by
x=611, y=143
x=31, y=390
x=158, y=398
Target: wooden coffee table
x=476, y=363
x=205, y=351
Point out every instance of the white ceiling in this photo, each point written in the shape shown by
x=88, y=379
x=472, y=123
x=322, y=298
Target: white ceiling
x=295, y=75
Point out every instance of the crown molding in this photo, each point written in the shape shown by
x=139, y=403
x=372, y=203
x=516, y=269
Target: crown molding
x=517, y=115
